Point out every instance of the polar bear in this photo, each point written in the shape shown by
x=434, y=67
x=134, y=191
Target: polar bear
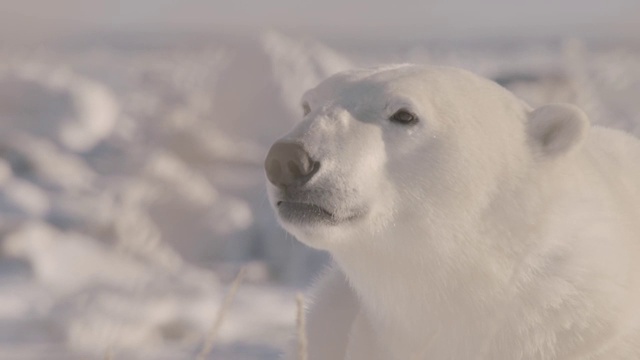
x=463, y=224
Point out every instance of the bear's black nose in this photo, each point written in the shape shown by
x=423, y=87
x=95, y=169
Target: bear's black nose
x=289, y=164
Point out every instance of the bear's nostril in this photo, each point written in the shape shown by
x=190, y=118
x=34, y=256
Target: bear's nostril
x=294, y=168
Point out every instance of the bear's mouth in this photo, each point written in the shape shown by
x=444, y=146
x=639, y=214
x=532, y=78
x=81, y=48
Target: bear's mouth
x=302, y=213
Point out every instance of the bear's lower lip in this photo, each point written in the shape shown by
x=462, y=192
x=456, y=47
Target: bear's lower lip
x=304, y=213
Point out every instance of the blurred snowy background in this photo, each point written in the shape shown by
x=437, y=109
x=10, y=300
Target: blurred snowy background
x=132, y=135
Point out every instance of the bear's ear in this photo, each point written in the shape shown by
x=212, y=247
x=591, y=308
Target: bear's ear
x=557, y=129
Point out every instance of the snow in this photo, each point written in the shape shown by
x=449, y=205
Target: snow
x=300, y=66
x=132, y=190
x=81, y=112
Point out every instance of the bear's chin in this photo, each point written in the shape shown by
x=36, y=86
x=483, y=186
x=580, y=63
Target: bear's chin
x=323, y=234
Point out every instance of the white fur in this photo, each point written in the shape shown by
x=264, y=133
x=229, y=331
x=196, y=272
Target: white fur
x=485, y=231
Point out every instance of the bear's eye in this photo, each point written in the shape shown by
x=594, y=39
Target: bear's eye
x=404, y=117
x=306, y=109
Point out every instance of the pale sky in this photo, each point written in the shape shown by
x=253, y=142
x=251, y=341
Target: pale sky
x=408, y=18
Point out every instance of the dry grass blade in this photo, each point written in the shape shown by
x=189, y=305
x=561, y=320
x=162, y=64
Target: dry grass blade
x=228, y=299
x=301, y=328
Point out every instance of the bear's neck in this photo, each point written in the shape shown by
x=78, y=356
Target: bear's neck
x=453, y=277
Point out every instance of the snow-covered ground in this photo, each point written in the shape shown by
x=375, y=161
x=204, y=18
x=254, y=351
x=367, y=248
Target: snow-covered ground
x=131, y=183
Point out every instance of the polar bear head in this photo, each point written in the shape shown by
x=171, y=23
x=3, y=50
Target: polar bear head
x=406, y=146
